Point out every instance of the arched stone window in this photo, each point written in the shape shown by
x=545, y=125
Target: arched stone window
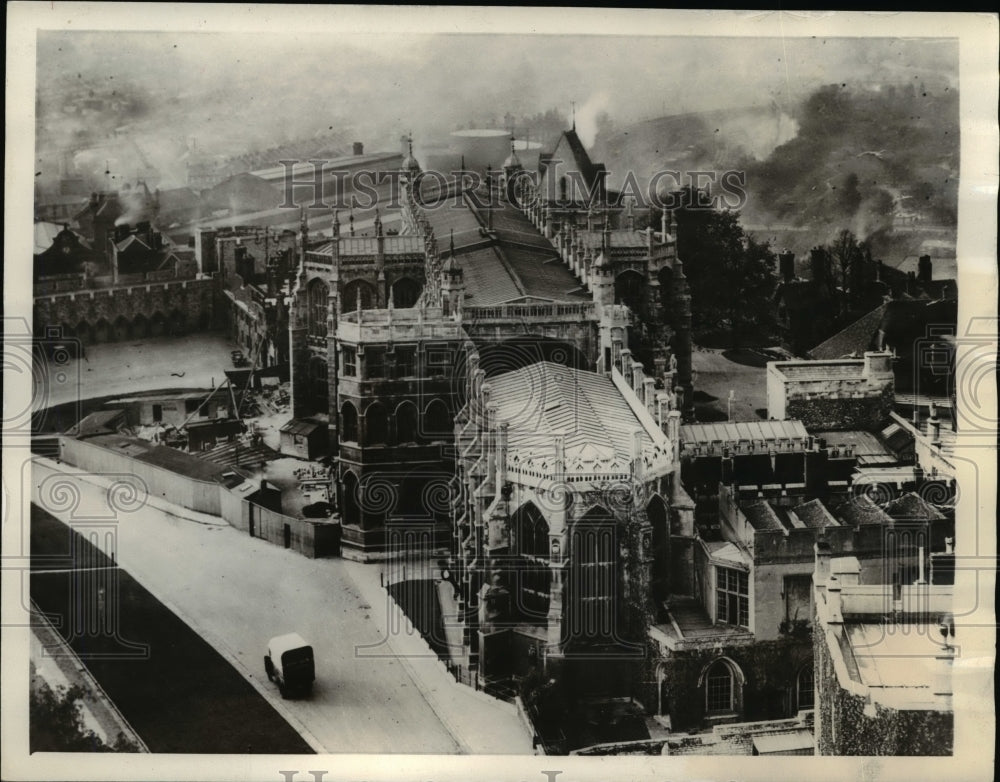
x=722, y=682
x=351, y=292
x=405, y=292
x=531, y=547
x=629, y=286
x=376, y=425
x=804, y=687
x=348, y=423
x=407, y=423
x=437, y=420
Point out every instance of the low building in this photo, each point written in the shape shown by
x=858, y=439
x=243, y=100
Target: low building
x=304, y=438
x=839, y=394
x=883, y=676
x=175, y=409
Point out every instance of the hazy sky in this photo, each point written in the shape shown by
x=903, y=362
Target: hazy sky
x=283, y=85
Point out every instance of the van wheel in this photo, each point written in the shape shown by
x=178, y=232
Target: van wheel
x=269, y=668
x=282, y=689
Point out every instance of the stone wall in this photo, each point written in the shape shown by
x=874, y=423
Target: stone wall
x=770, y=669
x=843, y=728
x=835, y=408
x=129, y=312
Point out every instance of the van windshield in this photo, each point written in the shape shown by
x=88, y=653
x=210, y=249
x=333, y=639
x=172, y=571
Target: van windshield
x=298, y=656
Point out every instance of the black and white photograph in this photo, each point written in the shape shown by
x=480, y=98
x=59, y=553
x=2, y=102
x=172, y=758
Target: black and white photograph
x=611, y=393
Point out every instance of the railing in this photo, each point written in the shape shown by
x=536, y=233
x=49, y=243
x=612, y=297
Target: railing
x=582, y=311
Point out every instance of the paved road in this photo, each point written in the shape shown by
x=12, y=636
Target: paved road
x=238, y=591
x=132, y=645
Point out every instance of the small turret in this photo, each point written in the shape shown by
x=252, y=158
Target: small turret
x=452, y=283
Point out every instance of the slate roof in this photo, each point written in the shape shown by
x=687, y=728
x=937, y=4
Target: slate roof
x=853, y=340
x=813, y=514
x=761, y=516
x=913, y=507
x=861, y=510
x=516, y=261
x=487, y=279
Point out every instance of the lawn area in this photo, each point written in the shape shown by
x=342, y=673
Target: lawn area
x=716, y=374
x=178, y=693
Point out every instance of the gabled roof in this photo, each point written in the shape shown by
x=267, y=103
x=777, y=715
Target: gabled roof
x=860, y=510
x=813, y=514
x=132, y=242
x=761, y=516
x=300, y=426
x=580, y=159
x=913, y=507
x=855, y=339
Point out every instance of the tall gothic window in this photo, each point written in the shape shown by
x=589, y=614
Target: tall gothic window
x=593, y=586
x=318, y=297
x=531, y=546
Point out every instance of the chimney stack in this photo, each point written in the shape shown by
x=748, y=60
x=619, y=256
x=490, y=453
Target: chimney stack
x=786, y=264
x=817, y=260
x=359, y=148
x=924, y=268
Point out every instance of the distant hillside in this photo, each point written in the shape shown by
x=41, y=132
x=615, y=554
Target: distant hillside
x=881, y=162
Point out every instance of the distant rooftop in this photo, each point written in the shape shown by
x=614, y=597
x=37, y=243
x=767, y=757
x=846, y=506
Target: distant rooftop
x=749, y=431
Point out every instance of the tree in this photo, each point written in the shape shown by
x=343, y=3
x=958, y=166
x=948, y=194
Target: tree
x=856, y=268
x=731, y=275
x=56, y=723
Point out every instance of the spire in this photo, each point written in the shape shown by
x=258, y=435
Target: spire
x=350, y=221
x=451, y=243
x=392, y=299
x=336, y=224
x=303, y=233
x=573, y=104
x=378, y=223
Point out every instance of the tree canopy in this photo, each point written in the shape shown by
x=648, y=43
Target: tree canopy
x=731, y=275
